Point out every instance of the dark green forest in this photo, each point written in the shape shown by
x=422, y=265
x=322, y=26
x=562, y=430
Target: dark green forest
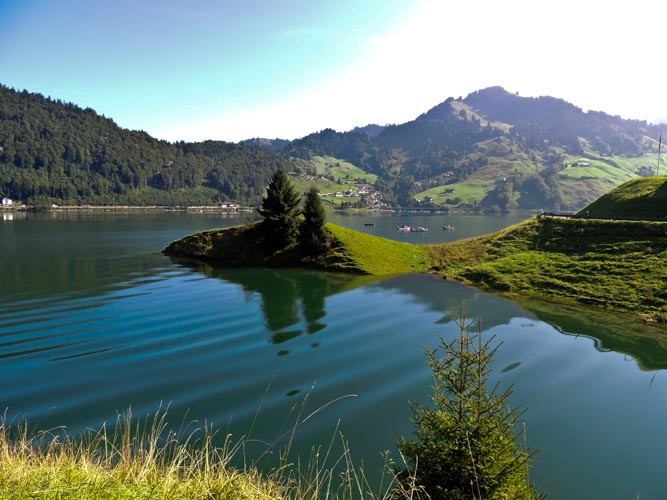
x=57, y=152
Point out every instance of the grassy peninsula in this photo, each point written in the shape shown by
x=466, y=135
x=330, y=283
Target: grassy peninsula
x=347, y=251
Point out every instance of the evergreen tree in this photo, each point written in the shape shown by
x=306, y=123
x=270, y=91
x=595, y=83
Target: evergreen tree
x=313, y=234
x=466, y=446
x=280, y=211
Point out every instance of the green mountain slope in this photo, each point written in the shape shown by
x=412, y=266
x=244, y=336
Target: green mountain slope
x=498, y=151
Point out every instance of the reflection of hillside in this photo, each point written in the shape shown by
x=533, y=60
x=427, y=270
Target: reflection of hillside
x=492, y=309
x=55, y=253
x=47, y=275
x=293, y=302
x=647, y=344
x=288, y=296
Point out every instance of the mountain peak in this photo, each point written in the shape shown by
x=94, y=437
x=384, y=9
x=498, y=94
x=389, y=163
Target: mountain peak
x=490, y=92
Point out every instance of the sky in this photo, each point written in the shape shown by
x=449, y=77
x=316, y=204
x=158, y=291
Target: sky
x=230, y=70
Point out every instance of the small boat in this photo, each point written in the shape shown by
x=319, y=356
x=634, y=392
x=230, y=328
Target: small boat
x=418, y=229
x=448, y=227
x=369, y=223
x=404, y=227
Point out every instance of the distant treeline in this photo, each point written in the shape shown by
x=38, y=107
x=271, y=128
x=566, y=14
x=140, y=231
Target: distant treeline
x=56, y=152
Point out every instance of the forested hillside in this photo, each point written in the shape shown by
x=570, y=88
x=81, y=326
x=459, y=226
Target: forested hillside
x=492, y=151
x=55, y=152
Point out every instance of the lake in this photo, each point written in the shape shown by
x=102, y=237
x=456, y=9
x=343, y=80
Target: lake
x=94, y=320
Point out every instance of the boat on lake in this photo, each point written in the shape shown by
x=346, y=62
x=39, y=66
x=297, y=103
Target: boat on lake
x=369, y=223
x=448, y=227
x=404, y=227
x=418, y=229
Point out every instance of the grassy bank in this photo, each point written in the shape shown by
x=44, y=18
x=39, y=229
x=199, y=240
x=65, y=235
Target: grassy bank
x=135, y=461
x=381, y=256
x=619, y=265
x=142, y=460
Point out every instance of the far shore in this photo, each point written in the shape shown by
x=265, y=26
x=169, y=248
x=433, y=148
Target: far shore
x=241, y=209
x=137, y=208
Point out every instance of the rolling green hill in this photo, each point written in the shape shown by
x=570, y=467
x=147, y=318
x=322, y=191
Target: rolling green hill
x=330, y=176
x=638, y=198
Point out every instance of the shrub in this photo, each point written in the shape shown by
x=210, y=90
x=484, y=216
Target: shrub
x=466, y=444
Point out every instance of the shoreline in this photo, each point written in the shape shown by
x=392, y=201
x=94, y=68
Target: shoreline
x=238, y=210
x=129, y=208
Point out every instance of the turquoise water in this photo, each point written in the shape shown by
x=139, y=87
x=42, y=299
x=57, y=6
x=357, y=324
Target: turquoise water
x=94, y=320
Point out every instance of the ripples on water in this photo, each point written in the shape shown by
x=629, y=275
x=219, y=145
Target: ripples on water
x=94, y=328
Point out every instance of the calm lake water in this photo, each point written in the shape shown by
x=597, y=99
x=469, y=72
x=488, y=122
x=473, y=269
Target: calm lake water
x=94, y=320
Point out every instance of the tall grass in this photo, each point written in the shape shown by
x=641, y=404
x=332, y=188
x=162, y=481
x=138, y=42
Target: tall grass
x=144, y=458
x=136, y=459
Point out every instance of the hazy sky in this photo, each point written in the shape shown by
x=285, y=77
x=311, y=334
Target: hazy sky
x=194, y=70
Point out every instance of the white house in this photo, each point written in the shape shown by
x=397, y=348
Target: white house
x=229, y=206
x=7, y=202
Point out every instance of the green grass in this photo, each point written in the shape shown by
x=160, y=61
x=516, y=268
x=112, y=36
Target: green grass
x=618, y=265
x=145, y=460
x=615, y=169
x=503, y=160
x=457, y=106
x=126, y=463
x=328, y=165
x=337, y=202
x=633, y=163
x=469, y=191
x=380, y=256
x=579, y=185
x=303, y=183
x=642, y=197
